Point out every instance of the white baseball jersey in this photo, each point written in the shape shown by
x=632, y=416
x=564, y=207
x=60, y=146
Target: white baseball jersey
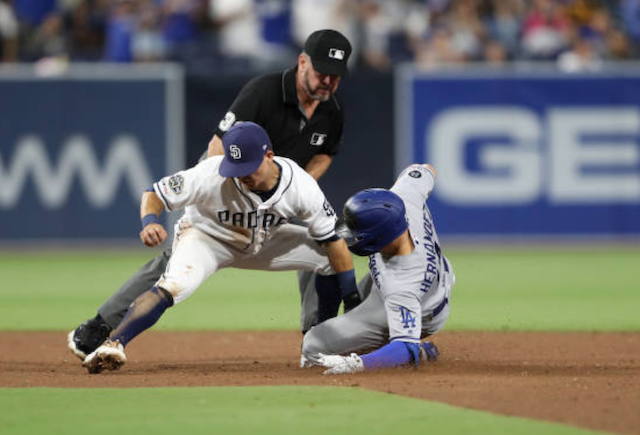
x=226, y=210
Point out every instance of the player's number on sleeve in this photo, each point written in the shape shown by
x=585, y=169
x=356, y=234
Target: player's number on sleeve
x=328, y=209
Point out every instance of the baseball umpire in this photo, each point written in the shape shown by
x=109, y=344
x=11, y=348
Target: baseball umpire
x=303, y=117
x=411, y=276
x=237, y=212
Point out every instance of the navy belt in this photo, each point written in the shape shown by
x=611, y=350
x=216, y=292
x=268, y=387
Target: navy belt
x=440, y=307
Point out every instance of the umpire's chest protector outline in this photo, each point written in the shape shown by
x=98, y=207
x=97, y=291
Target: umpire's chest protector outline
x=225, y=209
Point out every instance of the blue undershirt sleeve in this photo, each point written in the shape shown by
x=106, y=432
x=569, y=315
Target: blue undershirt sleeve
x=394, y=354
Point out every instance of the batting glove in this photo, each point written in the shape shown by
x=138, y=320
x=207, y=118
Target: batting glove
x=339, y=365
x=429, y=352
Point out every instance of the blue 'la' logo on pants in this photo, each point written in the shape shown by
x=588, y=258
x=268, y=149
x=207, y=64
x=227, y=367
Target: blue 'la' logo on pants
x=408, y=319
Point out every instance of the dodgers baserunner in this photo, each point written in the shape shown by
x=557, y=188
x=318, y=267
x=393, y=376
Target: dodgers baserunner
x=411, y=276
x=236, y=211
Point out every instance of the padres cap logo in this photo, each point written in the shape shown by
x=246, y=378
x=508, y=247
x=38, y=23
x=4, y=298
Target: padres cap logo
x=234, y=152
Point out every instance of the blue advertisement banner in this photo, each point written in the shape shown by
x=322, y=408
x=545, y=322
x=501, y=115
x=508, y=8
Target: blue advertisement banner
x=525, y=154
x=78, y=150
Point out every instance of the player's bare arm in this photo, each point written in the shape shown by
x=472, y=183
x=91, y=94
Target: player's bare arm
x=339, y=255
x=153, y=233
x=318, y=165
x=215, y=147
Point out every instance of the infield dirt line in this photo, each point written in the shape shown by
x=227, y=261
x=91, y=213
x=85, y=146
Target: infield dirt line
x=589, y=380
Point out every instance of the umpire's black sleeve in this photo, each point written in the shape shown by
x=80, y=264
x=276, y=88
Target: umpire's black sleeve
x=246, y=106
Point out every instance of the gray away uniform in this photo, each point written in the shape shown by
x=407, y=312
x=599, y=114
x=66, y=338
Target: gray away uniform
x=408, y=296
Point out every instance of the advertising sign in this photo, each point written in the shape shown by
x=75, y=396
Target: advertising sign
x=525, y=154
x=77, y=150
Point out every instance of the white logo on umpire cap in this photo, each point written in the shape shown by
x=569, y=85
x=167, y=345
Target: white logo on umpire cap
x=234, y=152
x=335, y=53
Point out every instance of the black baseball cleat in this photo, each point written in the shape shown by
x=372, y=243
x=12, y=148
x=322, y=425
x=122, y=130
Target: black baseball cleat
x=88, y=337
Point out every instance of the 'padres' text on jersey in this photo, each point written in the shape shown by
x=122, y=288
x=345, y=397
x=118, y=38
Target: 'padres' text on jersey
x=225, y=209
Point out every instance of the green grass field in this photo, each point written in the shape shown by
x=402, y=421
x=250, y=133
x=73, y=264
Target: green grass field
x=589, y=289
x=247, y=410
x=541, y=289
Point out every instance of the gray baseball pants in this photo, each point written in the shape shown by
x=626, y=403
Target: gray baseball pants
x=365, y=328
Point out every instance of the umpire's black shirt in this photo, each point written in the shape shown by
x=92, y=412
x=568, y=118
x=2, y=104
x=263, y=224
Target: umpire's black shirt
x=271, y=101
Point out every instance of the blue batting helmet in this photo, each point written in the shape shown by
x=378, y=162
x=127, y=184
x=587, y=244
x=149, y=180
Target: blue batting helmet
x=373, y=218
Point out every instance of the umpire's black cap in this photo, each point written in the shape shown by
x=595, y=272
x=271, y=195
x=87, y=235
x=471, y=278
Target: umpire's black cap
x=329, y=51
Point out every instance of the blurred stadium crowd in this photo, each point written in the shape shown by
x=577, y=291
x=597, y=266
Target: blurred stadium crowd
x=241, y=35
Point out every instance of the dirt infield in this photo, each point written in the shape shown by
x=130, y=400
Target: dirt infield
x=590, y=380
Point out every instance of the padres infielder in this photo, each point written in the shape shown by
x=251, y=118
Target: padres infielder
x=236, y=211
x=304, y=118
x=411, y=276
